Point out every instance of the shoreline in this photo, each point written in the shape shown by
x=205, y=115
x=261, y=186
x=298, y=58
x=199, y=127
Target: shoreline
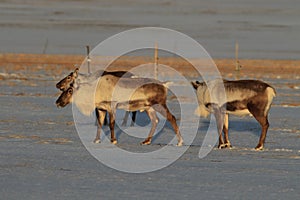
x=250, y=67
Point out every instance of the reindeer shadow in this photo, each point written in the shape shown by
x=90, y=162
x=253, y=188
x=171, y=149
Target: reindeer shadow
x=237, y=126
x=142, y=120
x=251, y=126
x=242, y=131
x=245, y=124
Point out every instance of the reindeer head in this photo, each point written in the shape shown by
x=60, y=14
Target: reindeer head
x=65, y=98
x=196, y=84
x=68, y=81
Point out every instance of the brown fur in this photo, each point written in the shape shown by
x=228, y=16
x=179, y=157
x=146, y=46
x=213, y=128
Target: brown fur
x=69, y=81
x=252, y=97
x=112, y=93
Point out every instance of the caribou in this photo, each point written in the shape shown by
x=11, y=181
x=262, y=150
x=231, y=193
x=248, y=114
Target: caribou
x=130, y=94
x=242, y=97
x=76, y=78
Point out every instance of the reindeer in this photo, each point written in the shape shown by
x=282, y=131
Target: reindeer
x=77, y=77
x=121, y=93
x=243, y=97
x=66, y=82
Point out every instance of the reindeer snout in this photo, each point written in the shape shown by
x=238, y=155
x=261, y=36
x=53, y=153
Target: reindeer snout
x=60, y=103
x=58, y=86
x=57, y=104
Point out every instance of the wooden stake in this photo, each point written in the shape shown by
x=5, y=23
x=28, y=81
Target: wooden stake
x=88, y=58
x=237, y=64
x=155, y=61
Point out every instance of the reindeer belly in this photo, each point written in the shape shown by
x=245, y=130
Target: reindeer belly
x=134, y=105
x=237, y=108
x=240, y=112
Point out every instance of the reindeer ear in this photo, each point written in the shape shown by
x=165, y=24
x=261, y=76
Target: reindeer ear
x=70, y=90
x=76, y=72
x=195, y=84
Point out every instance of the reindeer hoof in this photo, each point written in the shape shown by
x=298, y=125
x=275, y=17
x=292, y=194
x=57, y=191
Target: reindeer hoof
x=221, y=146
x=259, y=148
x=180, y=143
x=146, y=142
x=228, y=145
x=114, y=141
x=97, y=141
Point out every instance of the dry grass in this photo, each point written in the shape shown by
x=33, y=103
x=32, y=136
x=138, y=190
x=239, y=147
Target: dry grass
x=37, y=139
x=57, y=64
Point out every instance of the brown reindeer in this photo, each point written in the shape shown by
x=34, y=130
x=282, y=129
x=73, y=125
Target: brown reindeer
x=243, y=97
x=76, y=78
x=130, y=94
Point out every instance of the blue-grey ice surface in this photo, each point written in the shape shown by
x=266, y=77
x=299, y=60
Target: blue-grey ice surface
x=42, y=156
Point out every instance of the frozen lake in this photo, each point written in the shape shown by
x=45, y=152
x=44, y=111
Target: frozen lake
x=41, y=154
x=42, y=157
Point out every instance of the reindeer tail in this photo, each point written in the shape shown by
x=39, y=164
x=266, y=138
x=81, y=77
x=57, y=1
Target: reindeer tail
x=167, y=83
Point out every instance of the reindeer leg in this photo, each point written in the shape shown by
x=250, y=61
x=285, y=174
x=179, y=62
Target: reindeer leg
x=100, y=114
x=225, y=130
x=105, y=120
x=219, y=120
x=163, y=109
x=97, y=116
x=133, y=117
x=264, y=128
x=112, y=119
x=125, y=118
x=262, y=119
x=154, y=120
